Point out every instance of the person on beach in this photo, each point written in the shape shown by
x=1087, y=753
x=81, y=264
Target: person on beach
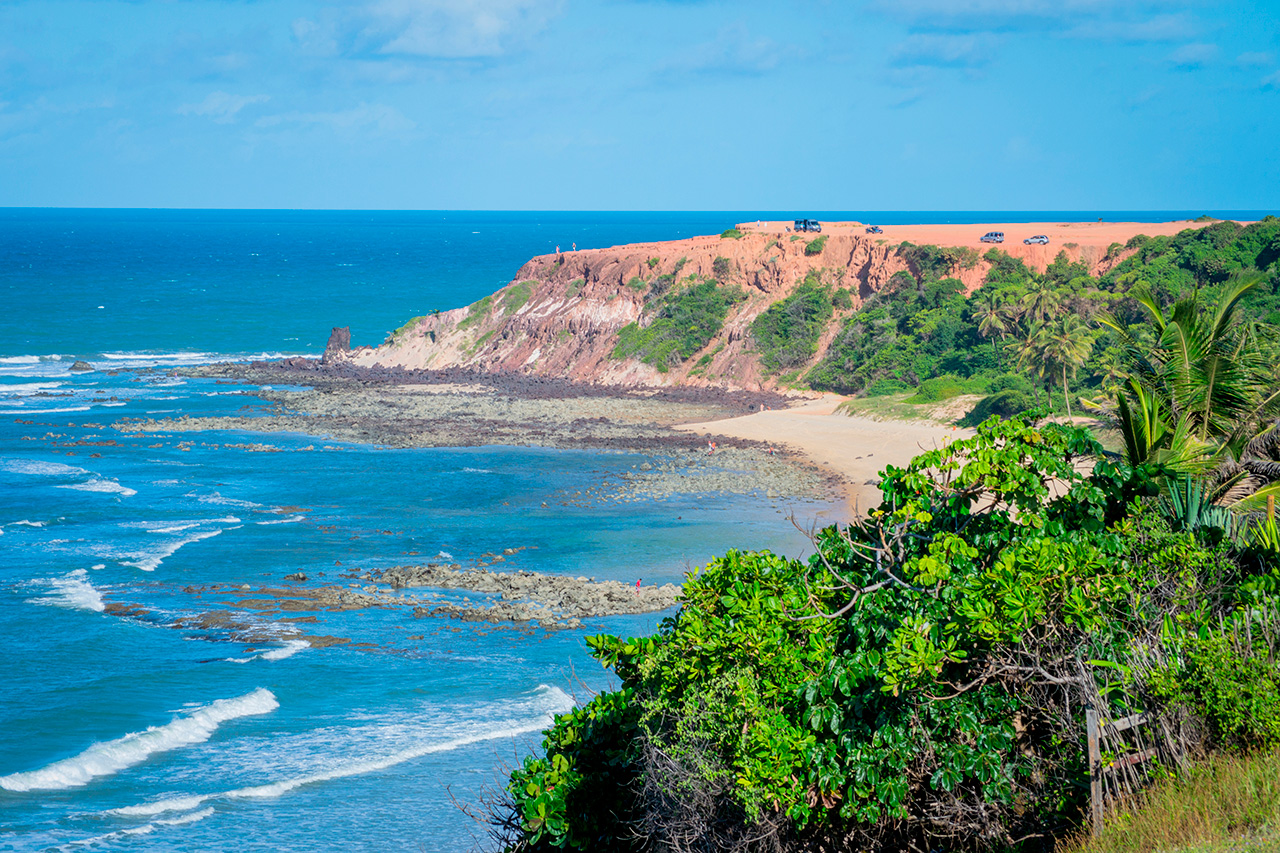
x=711, y=447
x=637, y=586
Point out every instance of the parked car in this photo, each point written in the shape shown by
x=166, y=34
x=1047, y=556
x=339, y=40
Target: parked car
x=874, y=229
x=993, y=237
x=1039, y=238
x=808, y=225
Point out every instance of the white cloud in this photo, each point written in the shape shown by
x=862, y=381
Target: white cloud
x=367, y=119
x=947, y=50
x=222, y=107
x=434, y=29
x=1255, y=59
x=734, y=51
x=1189, y=57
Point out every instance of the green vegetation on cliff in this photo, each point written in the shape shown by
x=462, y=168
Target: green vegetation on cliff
x=1023, y=334
x=787, y=334
x=684, y=320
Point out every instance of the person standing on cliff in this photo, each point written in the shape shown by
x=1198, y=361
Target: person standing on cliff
x=575, y=247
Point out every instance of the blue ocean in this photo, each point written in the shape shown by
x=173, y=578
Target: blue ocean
x=128, y=718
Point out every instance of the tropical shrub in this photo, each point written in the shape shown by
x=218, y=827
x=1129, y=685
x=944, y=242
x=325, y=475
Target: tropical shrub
x=816, y=245
x=683, y=322
x=788, y=332
x=918, y=682
x=731, y=234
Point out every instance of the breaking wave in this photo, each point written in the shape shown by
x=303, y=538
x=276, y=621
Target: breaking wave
x=112, y=756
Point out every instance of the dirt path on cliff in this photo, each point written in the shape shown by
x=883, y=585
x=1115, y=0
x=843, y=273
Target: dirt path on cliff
x=854, y=448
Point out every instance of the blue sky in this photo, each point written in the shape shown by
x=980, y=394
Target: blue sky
x=641, y=104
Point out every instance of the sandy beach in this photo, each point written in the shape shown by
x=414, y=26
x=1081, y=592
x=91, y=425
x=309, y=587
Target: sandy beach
x=855, y=449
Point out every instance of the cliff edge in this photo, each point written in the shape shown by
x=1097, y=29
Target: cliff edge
x=593, y=315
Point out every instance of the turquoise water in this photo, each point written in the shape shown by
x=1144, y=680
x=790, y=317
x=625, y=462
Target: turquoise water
x=138, y=732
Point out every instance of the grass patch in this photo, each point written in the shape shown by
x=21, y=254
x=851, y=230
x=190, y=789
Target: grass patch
x=795, y=237
x=480, y=342
x=1228, y=802
x=774, y=242
x=731, y=234
x=889, y=407
x=686, y=320
x=516, y=296
x=401, y=333
x=638, y=284
x=816, y=245
x=575, y=287
x=478, y=311
x=788, y=332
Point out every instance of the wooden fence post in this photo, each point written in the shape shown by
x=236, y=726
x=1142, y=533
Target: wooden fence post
x=1095, y=771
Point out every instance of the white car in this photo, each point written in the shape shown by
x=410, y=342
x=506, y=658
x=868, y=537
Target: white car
x=1039, y=238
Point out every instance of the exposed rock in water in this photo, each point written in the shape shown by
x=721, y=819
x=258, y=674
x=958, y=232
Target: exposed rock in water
x=82, y=367
x=529, y=596
x=339, y=343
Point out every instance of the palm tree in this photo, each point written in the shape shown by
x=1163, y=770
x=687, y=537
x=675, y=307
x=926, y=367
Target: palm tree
x=1063, y=346
x=1196, y=398
x=992, y=319
x=1040, y=302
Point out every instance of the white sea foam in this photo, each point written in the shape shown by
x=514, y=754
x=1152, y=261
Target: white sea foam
x=289, y=649
x=110, y=757
x=150, y=561
x=293, y=519
x=40, y=469
x=187, y=818
x=219, y=500
x=25, y=523
x=26, y=389
x=43, y=411
x=32, y=365
x=535, y=713
x=476, y=471
x=179, y=526
x=98, y=484
x=74, y=591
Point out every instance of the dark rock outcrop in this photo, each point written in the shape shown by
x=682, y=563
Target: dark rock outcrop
x=339, y=344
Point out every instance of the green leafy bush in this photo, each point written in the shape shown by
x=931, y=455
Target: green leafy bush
x=939, y=388
x=575, y=287
x=684, y=322
x=788, y=332
x=730, y=234
x=841, y=300
x=918, y=684
x=1002, y=404
x=815, y=246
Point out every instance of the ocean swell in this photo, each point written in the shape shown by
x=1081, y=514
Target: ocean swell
x=112, y=756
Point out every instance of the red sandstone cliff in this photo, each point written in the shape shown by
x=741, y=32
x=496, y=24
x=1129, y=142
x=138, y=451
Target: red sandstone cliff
x=561, y=314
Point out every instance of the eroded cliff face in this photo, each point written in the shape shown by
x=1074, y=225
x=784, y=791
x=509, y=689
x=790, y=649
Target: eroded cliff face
x=561, y=314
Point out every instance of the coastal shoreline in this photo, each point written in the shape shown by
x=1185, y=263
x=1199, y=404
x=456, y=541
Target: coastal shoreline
x=797, y=447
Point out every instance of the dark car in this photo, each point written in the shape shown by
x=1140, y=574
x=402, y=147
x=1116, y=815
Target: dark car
x=1039, y=238
x=874, y=229
x=808, y=225
x=993, y=237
